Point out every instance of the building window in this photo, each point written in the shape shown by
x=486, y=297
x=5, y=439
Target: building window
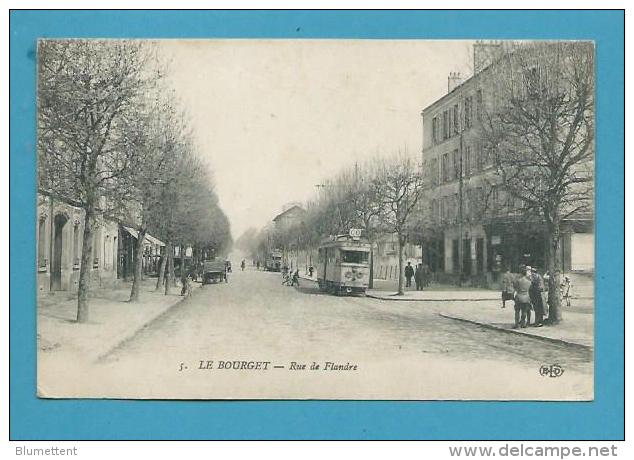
x=434, y=129
x=456, y=120
x=445, y=125
x=480, y=205
x=479, y=105
x=468, y=108
x=449, y=123
x=445, y=167
x=434, y=171
x=495, y=199
x=479, y=158
x=456, y=207
x=466, y=166
x=41, y=244
x=456, y=164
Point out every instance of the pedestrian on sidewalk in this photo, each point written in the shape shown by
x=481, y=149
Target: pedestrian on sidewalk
x=566, y=290
x=507, y=286
x=545, y=302
x=310, y=271
x=522, y=299
x=426, y=276
x=418, y=277
x=535, y=293
x=409, y=273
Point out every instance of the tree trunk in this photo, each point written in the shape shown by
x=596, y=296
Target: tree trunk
x=169, y=265
x=401, y=276
x=553, y=263
x=86, y=266
x=138, y=267
x=371, y=280
x=183, y=272
x=170, y=268
x=161, y=271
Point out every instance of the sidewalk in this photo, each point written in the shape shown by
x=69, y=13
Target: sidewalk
x=483, y=308
x=575, y=329
x=112, y=319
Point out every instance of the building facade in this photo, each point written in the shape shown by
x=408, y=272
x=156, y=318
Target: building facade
x=473, y=228
x=60, y=228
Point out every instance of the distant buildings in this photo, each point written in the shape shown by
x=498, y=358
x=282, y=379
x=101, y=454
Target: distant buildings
x=291, y=216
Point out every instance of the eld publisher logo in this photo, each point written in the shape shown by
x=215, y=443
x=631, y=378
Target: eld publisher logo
x=554, y=370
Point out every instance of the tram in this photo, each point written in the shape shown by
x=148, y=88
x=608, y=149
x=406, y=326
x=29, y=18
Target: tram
x=343, y=264
x=273, y=261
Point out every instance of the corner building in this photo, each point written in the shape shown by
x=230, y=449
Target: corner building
x=460, y=235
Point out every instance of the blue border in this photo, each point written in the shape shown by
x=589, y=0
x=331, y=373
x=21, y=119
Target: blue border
x=602, y=419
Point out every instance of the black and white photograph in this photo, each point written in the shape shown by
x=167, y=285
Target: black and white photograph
x=328, y=219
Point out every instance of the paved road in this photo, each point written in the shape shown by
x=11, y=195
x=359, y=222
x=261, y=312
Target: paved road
x=401, y=350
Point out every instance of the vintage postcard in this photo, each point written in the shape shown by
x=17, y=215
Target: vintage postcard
x=315, y=219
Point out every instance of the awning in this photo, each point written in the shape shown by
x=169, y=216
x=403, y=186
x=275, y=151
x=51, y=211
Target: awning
x=148, y=237
x=131, y=231
x=153, y=240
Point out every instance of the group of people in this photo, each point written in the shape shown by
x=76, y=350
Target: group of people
x=420, y=275
x=529, y=291
x=290, y=277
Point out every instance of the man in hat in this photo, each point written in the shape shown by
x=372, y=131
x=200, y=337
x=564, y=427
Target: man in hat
x=522, y=285
x=409, y=273
x=535, y=293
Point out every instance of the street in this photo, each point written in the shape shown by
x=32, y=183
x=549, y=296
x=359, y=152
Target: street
x=400, y=350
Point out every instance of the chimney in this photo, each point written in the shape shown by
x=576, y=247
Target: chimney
x=485, y=53
x=453, y=80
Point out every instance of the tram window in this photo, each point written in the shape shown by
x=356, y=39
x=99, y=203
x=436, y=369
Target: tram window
x=355, y=257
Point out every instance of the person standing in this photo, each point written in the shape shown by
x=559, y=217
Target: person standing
x=507, y=286
x=409, y=273
x=566, y=290
x=426, y=276
x=522, y=284
x=545, y=303
x=418, y=277
x=535, y=293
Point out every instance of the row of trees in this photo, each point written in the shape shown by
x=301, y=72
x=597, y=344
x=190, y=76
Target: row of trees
x=536, y=127
x=111, y=138
x=379, y=196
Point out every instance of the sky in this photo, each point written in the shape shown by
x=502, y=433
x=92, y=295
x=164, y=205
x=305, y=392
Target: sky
x=274, y=118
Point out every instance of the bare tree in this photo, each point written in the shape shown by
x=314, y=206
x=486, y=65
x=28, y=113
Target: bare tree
x=161, y=131
x=87, y=90
x=399, y=186
x=538, y=126
x=365, y=204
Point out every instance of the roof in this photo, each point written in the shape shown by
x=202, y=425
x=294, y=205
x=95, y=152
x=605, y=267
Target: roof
x=293, y=208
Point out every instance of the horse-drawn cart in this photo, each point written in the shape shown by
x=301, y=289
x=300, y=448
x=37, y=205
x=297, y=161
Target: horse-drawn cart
x=214, y=271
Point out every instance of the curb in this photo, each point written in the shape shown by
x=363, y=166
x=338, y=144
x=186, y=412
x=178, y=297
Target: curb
x=404, y=299
x=128, y=337
x=519, y=332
